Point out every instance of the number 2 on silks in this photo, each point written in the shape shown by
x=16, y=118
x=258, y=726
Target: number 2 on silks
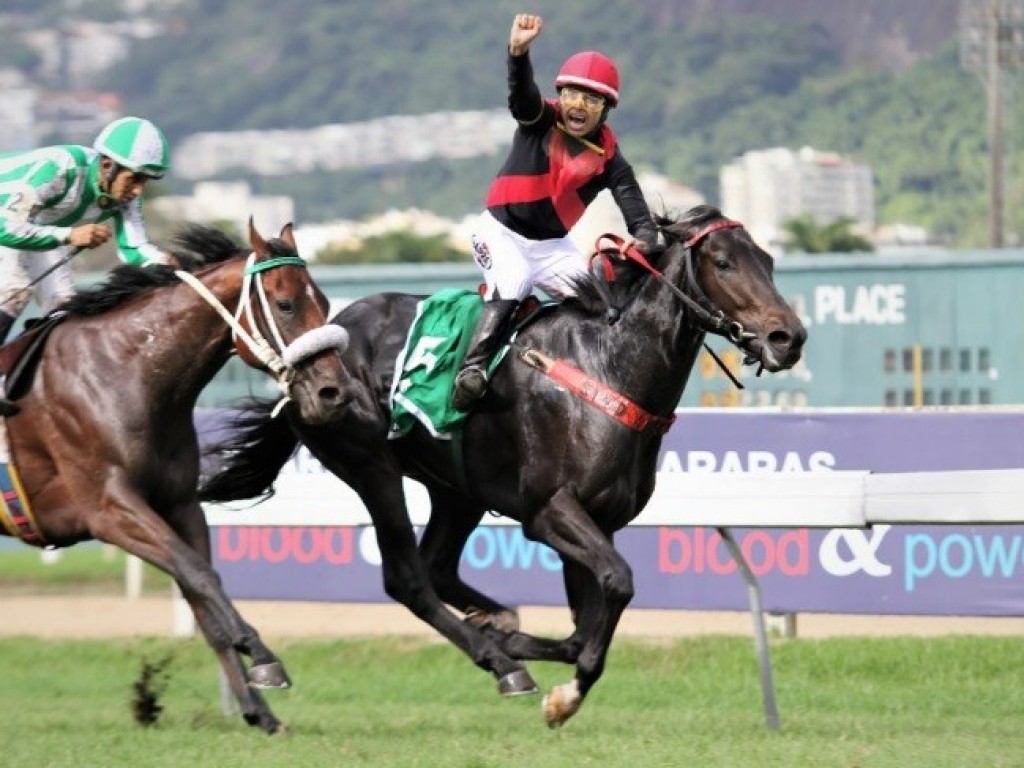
x=423, y=353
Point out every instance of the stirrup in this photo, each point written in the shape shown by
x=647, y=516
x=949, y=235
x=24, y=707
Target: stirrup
x=470, y=385
x=8, y=407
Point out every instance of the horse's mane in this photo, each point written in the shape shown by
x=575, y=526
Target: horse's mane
x=194, y=246
x=630, y=278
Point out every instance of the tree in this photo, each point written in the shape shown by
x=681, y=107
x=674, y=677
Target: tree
x=807, y=236
x=400, y=246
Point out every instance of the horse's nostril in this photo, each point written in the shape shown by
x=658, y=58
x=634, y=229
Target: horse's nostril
x=786, y=338
x=331, y=397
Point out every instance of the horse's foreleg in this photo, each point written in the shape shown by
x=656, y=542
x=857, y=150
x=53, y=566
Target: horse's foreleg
x=137, y=529
x=189, y=522
x=253, y=707
x=565, y=526
x=584, y=599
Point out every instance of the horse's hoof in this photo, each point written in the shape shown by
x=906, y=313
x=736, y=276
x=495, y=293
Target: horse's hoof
x=561, y=703
x=518, y=683
x=505, y=622
x=270, y=675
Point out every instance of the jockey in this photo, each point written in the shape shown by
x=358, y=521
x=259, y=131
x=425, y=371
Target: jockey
x=563, y=153
x=59, y=198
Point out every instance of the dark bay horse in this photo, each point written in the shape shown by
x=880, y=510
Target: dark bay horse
x=105, y=445
x=572, y=468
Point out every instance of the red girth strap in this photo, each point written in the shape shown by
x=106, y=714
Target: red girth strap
x=602, y=397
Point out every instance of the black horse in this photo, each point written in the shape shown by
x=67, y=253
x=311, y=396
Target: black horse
x=572, y=462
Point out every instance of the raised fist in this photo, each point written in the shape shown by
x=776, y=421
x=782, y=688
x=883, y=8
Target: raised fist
x=525, y=28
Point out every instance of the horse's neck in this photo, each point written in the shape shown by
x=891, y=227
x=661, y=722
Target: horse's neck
x=199, y=339
x=658, y=344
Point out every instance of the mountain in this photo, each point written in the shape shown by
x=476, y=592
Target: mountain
x=876, y=33
x=703, y=82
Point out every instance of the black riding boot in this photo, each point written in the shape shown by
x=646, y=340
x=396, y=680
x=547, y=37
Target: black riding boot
x=7, y=407
x=471, y=381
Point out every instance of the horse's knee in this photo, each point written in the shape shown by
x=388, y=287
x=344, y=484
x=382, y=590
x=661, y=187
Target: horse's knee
x=412, y=593
x=617, y=584
x=443, y=579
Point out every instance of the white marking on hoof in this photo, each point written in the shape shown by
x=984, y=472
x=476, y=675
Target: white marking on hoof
x=561, y=703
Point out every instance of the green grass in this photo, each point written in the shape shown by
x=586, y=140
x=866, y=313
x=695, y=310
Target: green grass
x=84, y=569
x=848, y=703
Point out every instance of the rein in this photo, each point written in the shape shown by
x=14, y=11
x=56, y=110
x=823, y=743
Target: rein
x=711, y=321
x=714, y=322
x=280, y=365
x=603, y=397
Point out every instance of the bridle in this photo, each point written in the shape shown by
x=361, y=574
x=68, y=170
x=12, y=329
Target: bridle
x=706, y=316
x=281, y=362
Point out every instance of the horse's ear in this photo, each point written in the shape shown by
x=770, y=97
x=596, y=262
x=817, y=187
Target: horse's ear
x=259, y=245
x=288, y=238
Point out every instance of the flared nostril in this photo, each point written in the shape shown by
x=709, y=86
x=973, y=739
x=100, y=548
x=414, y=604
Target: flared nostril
x=780, y=338
x=332, y=397
x=787, y=338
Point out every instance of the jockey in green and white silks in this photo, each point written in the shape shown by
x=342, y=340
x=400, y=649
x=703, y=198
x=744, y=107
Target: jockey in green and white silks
x=61, y=197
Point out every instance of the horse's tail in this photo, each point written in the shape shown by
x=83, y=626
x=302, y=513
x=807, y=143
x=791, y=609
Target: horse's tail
x=247, y=462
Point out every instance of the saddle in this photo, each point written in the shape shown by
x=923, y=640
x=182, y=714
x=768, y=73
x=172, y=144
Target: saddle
x=19, y=357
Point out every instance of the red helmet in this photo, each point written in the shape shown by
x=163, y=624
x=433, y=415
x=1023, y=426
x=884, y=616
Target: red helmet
x=591, y=70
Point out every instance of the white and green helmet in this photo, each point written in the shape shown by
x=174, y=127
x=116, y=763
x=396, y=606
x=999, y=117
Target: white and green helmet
x=135, y=144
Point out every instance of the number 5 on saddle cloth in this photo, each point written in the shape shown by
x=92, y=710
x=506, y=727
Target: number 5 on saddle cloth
x=425, y=368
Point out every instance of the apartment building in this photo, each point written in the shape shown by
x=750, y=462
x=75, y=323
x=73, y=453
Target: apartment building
x=765, y=188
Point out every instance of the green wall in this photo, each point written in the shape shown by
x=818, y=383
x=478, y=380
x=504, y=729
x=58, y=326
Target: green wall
x=865, y=316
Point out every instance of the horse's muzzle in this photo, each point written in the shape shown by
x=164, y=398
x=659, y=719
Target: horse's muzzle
x=778, y=349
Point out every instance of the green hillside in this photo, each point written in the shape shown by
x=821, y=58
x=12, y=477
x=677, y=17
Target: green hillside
x=694, y=96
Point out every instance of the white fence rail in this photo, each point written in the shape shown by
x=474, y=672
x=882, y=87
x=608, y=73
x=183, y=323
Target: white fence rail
x=834, y=499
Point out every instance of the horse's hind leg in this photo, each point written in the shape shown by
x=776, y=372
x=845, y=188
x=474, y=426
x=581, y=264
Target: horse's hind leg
x=406, y=580
x=452, y=519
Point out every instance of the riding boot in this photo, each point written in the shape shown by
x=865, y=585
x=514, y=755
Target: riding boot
x=471, y=381
x=7, y=407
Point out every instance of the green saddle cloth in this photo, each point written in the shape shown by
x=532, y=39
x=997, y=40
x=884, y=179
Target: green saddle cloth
x=425, y=368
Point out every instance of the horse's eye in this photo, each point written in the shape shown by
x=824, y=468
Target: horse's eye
x=285, y=306
x=722, y=263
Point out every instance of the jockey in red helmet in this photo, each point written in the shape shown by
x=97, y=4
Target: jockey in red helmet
x=591, y=71
x=563, y=154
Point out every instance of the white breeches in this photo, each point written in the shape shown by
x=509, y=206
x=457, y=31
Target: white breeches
x=18, y=269
x=512, y=264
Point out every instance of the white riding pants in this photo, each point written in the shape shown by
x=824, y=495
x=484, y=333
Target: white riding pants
x=512, y=264
x=18, y=269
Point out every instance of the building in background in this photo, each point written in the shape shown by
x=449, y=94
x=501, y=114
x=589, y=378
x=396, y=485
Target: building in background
x=664, y=196
x=766, y=188
x=233, y=202
x=18, y=130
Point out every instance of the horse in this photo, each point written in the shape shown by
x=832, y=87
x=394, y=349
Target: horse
x=572, y=462
x=104, y=446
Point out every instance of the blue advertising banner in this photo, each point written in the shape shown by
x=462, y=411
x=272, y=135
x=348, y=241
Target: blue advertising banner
x=933, y=570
